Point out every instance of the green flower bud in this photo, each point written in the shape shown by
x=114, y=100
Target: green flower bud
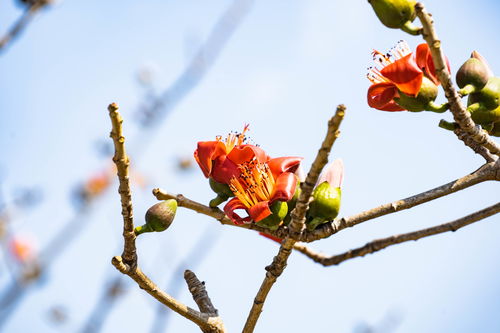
x=279, y=210
x=484, y=102
x=424, y=100
x=158, y=217
x=223, y=192
x=325, y=205
x=473, y=75
x=396, y=14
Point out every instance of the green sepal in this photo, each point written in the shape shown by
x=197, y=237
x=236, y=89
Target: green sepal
x=158, y=217
x=396, y=14
x=489, y=96
x=292, y=203
x=279, y=209
x=223, y=192
x=427, y=94
x=447, y=125
x=220, y=188
x=325, y=205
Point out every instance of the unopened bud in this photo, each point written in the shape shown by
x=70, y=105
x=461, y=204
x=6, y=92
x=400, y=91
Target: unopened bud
x=279, y=209
x=325, y=205
x=473, y=75
x=396, y=14
x=158, y=217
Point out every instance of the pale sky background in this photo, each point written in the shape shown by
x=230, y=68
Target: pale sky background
x=283, y=71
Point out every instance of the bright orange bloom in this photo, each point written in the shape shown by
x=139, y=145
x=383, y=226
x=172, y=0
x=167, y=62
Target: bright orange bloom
x=259, y=185
x=219, y=159
x=399, y=70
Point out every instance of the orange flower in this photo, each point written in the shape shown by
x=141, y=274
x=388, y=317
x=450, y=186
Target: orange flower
x=399, y=71
x=259, y=185
x=219, y=159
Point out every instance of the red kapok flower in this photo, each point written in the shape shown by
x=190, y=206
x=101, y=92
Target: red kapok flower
x=399, y=71
x=259, y=185
x=219, y=159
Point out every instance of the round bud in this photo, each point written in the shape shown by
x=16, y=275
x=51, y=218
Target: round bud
x=473, y=72
x=159, y=217
x=394, y=13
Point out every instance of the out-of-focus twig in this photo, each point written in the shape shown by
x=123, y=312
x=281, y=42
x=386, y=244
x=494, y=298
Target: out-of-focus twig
x=204, y=58
x=22, y=22
x=298, y=219
x=380, y=244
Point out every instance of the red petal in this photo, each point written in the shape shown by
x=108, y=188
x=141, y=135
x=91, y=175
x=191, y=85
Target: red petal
x=206, y=152
x=284, y=187
x=259, y=211
x=231, y=206
x=380, y=96
x=424, y=61
x=283, y=164
x=276, y=239
x=245, y=153
x=405, y=74
x=224, y=169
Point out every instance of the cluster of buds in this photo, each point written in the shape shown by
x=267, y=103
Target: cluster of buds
x=477, y=81
x=265, y=189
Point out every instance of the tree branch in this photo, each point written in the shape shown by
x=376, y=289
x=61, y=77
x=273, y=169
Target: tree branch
x=460, y=114
x=489, y=171
x=205, y=321
x=216, y=213
x=380, y=244
x=122, y=163
x=298, y=219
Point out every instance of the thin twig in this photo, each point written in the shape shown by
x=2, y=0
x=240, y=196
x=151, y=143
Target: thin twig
x=199, y=293
x=460, y=114
x=382, y=243
x=207, y=322
x=297, y=224
x=216, y=213
x=489, y=171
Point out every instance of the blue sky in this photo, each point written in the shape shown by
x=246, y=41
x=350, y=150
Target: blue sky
x=283, y=71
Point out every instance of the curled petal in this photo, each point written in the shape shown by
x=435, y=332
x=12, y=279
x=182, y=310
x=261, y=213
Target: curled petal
x=224, y=169
x=279, y=165
x=259, y=211
x=381, y=96
x=405, y=74
x=231, y=206
x=284, y=187
x=423, y=57
x=206, y=152
x=333, y=174
x=276, y=239
x=245, y=153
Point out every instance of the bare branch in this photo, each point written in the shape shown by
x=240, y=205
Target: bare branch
x=478, y=149
x=490, y=171
x=380, y=244
x=122, y=163
x=216, y=213
x=460, y=114
x=298, y=219
x=206, y=322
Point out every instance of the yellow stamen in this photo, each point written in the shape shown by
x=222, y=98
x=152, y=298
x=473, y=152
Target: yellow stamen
x=383, y=60
x=254, y=184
